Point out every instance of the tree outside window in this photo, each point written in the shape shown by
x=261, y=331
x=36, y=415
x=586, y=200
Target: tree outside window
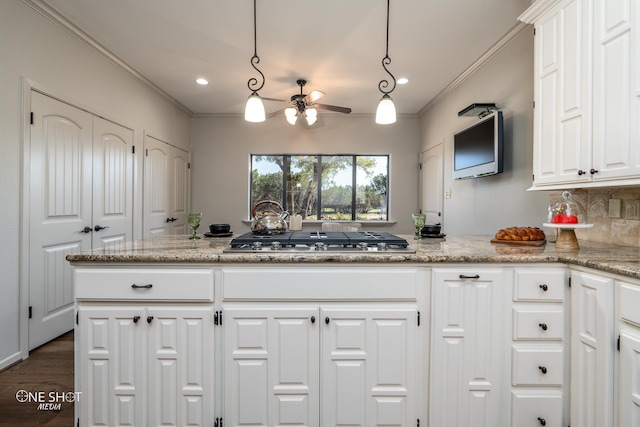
x=323, y=187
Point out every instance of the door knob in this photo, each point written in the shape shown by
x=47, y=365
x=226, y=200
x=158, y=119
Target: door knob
x=172, y=219
x=86, y=229
x=99, y=227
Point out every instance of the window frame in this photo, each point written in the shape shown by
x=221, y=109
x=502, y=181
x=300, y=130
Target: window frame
x=286, y=162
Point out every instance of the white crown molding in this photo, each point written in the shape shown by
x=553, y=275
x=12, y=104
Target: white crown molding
x=68, y=27
x=513, y=34
x=537, y=9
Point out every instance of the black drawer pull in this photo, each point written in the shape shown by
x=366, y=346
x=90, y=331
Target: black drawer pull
x=135, y=319
x=149, y=286
x=463, y=276
x=543, y=369
x=542, y=421
x=313, y=319
x=543, y=326
x=545, y=288
x=149, y=319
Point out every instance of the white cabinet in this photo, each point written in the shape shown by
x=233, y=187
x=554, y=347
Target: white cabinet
x=587, y=92
x=629, y=376
x=144, y=361
x=469, y=352
x=592, y=349
x=539, y=352
x=317, y=346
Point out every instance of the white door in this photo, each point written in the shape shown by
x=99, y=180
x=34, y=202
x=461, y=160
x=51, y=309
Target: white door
x=271, y=366
x=467, y=353
x=111, y=346
x=112, y=184
x=81, y=197
x=166, y=189
x=592, y=350
x=181, y=366
x=431, y=183
x=369, y=367
x=60, y=190
x=629, y=395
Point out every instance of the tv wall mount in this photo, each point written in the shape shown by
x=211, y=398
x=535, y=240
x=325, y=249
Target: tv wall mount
x=478, y=109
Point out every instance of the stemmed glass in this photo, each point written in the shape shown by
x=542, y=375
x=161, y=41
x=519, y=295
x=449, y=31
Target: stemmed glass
x=418, y=223
x=194, y=223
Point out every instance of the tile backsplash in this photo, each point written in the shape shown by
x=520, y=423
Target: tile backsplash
x=614, y=213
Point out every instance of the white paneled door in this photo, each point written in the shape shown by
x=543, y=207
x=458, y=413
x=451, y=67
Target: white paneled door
x=80, y=196
x=166, y=188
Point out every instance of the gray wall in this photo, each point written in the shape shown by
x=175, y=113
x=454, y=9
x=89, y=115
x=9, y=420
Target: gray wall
x=484, y=205
x=34, y=48
x=221, y=149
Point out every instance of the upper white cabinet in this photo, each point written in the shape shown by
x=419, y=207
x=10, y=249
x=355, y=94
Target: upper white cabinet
x=586, y=91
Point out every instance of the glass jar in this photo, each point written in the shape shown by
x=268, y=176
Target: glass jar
x=566, y=211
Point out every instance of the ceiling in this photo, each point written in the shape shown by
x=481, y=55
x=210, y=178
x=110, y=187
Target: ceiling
x=336, y=45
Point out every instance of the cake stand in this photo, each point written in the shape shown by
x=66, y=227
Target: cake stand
x=567, y=238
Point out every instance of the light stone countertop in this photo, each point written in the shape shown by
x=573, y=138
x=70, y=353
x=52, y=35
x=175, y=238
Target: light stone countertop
x=622, y=260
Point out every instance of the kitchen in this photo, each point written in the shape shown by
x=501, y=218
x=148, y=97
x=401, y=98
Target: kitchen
x=504, y=77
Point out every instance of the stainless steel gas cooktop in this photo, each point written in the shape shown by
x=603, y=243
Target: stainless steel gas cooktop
x=319, y=241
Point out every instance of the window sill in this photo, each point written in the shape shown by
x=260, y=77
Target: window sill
x=319, y=222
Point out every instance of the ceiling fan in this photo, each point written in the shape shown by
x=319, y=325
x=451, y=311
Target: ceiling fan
x=305, y=106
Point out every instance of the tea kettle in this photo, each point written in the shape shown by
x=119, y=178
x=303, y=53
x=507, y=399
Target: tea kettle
x=269, y=221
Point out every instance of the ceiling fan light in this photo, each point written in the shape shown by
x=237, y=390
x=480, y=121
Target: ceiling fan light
x=386, y=112
x=291, y=115
x=254, y=110
x=311, y=114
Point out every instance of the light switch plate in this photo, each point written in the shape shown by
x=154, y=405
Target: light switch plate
x=615, y=208
x=632, y=209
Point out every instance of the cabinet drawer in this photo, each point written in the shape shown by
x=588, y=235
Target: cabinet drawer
x=537, y=366
x=529, y=410
x=318, y=283
x=539, y=284
x=179, y=284
x=630, y=302
x=538, y=324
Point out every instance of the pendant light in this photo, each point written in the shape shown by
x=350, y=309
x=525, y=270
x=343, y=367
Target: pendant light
x=386, y=112
x=254, y=110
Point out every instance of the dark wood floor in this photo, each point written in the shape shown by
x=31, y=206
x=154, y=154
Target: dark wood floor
x=48, y=369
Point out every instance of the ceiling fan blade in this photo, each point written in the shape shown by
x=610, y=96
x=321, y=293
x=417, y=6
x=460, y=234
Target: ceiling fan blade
x=345, y=110
x=313, y=96
x=275, y=113
x=276, y=100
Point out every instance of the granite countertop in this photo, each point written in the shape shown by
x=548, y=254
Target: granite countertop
x=623, y=260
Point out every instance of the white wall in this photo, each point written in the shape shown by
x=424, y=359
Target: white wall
x=484, y=205
x=33, y=48
x=221, y=149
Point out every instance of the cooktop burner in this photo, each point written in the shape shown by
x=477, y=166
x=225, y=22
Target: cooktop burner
x=300, y=241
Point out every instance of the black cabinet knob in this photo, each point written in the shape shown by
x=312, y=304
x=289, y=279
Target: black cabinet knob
x=544, y=288
x=543, y=369
x=149, y=319
x=326, y=320
x=135, y=319
x=581, y=172
x=593, y=171
x=313, y=319
x=542, y=421
x=543, y=326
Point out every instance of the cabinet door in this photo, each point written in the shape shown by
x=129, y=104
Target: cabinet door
x=616, y=140
x=271, y=366
x=592, y=350
x=562, y=136
x=369, y=367
x=110, y=346
x=629, y=377
x=469, y=349
x=181, y=366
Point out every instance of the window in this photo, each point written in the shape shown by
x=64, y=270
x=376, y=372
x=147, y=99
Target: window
x=323, y=187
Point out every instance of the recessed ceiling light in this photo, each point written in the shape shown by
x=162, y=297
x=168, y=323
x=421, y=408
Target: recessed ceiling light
x=202, y=81
x=402, y=81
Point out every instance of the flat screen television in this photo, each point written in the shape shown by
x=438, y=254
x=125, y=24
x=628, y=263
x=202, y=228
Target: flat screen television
x=477, y=150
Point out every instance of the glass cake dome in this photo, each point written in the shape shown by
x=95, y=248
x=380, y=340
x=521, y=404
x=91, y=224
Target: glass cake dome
x=566, y=211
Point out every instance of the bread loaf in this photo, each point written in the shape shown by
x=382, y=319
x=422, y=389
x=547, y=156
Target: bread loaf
x=520, y=234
